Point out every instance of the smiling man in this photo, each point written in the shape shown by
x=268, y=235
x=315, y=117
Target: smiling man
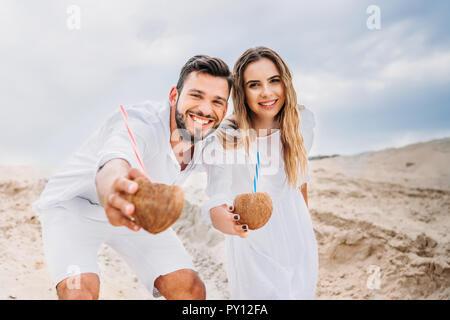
x=84, y=205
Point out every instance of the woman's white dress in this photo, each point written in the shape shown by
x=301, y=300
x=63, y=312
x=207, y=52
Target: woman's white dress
x=279, y=260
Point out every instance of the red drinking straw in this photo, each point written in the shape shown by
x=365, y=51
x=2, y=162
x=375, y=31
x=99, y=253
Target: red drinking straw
x=133, y=142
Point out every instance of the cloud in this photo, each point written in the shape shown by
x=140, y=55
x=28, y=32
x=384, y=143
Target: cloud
x=375, y=65
x=57, y=84
x=434, y=67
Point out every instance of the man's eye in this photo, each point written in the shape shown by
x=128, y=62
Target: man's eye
x=195, y=95
x=218, y=102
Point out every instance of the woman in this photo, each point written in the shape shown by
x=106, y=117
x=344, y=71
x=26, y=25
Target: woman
x=279, y=260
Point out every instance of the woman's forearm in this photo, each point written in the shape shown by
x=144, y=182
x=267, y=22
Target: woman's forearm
x=304, y=190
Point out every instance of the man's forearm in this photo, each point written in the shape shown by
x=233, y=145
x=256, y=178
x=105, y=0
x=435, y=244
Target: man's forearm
x=106, y=176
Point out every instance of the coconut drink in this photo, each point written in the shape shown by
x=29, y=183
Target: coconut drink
x=157, y=205
x=254, y=209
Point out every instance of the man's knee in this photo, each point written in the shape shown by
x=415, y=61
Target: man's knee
x=193, y=285
x=76, y=294
x=181, y=284
x=80, y=287
x=198, y=289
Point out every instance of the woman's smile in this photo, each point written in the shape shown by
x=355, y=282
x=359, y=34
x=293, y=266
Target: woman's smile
x=268, y=104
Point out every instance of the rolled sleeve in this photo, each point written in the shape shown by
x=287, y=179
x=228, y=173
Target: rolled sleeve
x=117, y=143
x=306, y=178
x=218, y=188
x=215, y=201
x=118, y=147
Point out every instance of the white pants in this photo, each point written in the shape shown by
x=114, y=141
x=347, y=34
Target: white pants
x=73, y=231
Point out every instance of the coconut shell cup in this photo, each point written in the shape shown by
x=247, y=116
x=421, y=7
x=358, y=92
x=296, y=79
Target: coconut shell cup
x=157, y=206
x=254, y=209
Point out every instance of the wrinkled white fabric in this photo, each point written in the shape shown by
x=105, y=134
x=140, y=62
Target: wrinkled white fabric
x=150, y=125
x=279, y=260
x=74, y=225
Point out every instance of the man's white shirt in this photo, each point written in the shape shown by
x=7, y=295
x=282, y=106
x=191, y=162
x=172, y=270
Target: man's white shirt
x=150, y=125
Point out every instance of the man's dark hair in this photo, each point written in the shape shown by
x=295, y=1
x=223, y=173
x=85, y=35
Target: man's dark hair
x=205, y=64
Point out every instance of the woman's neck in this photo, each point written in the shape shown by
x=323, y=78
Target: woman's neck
x=265, y=127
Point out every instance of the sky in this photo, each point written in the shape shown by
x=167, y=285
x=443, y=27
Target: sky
x=373, y=79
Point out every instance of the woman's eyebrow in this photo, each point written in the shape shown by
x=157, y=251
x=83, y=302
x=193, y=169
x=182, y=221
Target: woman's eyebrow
x=270, y=78
x=275, y=76
x=250, y=81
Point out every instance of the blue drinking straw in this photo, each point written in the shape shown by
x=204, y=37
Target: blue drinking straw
x=257, y=174
x=257, y=155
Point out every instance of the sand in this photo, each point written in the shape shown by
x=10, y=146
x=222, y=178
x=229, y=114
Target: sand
x=382, y=222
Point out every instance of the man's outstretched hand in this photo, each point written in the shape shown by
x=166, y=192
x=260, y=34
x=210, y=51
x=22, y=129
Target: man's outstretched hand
x=114, y=181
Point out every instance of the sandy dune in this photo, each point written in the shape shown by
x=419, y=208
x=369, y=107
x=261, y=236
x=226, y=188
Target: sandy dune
x=382, y=222
x=376, y=209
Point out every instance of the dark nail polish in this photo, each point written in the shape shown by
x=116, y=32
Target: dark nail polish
x=236, y=217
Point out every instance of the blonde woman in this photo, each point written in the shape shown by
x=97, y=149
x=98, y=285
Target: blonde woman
x=279, y=260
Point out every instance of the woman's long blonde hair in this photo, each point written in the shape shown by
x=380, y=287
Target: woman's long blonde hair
x=294, y=152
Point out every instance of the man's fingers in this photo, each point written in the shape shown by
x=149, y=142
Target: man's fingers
x=124, y=221
x=130, y=224
x=125, y=185
x=117, y=202
x=134, y=173
x=116, y=218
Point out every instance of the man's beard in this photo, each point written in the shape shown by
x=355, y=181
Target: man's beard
x=180, y=119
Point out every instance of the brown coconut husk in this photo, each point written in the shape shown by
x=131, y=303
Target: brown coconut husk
x=157, y=206
x=254, y=209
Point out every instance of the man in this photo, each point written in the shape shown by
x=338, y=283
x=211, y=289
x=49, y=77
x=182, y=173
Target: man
x=73, y=204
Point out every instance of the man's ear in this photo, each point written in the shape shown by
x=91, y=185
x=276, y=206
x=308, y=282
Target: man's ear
x=173, y=96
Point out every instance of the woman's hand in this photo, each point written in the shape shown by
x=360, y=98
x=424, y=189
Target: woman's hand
x=224, y=220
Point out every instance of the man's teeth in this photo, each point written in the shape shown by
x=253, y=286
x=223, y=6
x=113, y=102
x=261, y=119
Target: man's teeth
x=199, y=120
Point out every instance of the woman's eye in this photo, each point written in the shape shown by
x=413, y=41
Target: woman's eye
x=195, y=95
x=252, y=85
x=275, y=80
